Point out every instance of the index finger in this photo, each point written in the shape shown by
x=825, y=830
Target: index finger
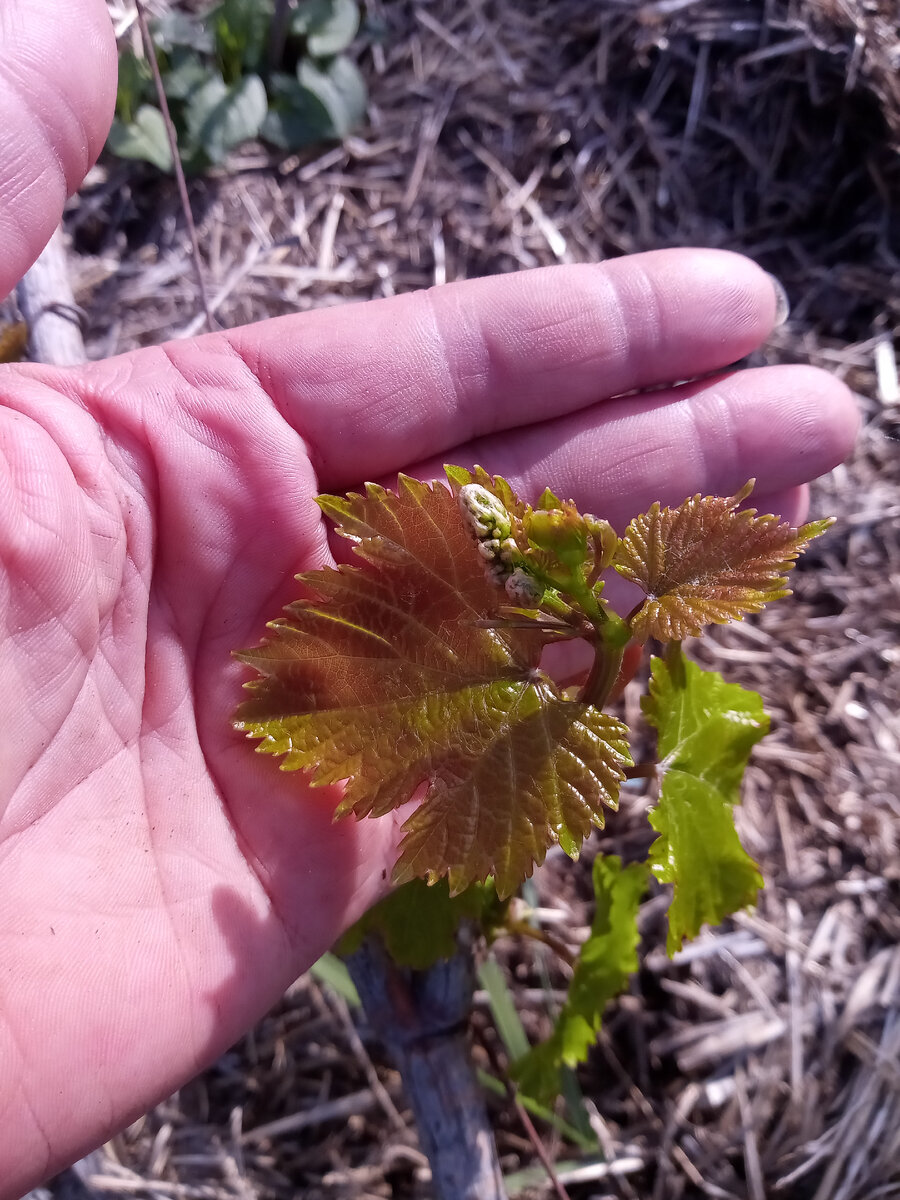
x=374, y=387
x=57, y=89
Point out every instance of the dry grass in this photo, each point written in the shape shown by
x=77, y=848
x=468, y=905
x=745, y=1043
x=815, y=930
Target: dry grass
x=763, y=1061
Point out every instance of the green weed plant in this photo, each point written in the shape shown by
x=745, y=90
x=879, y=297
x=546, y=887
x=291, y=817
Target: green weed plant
x=223, y=89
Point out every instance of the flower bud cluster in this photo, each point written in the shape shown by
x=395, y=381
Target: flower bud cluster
x=523, y=589
x=491, y=526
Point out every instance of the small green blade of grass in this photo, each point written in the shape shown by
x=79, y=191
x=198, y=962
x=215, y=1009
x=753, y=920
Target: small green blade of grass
x=531, y=1177
x=331, y=971
x=503, y=1010
x=490, y=1083
x=575, y=1106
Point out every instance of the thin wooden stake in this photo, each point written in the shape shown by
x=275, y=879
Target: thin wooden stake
x=150, y=51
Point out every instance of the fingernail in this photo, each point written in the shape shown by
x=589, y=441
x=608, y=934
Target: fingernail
x=782, y=304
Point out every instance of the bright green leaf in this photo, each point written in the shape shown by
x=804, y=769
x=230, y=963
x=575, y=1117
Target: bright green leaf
x=333, y=973
x=707, y=729
x=145, y=138
x=384, y=679
x=606, y=962
x=706, y=562
x=221, y=117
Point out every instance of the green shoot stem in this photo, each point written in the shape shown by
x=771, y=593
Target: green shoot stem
x=553, y=603
x=589, y=605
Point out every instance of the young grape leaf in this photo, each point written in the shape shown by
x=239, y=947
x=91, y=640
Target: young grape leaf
x=705, y=562
x=707, y=729
x=605, y=963
x=384, y=679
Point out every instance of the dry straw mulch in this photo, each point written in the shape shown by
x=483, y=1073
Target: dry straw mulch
x=763, y=1061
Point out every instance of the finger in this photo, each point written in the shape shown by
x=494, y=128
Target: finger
x=782, y=426
x=57, y=90
x=791, y=504
x=371, y=387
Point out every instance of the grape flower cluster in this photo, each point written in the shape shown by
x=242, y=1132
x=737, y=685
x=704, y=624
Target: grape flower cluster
x=491, y=527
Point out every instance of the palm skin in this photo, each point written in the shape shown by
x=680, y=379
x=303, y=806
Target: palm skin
x=160, y=884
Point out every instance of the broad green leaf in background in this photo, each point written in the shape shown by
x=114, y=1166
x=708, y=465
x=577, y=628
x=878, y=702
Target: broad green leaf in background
x=206, y=102
x=706, y=562
x=144, y=138
x=220, y=117
x=295, y=118
x=329, y=26
x=707, y=729
x=605, y=963
x=384, y=678
x=418, y=923
x=339, y=89
x=185, y=74
x=240, y=28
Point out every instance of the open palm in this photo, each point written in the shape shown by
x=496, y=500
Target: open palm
x=159, y=883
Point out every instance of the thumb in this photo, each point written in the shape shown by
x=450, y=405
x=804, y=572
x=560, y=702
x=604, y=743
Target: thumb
x=57, y=91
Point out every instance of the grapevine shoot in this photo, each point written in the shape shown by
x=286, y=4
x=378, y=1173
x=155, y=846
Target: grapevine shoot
x=417, y=672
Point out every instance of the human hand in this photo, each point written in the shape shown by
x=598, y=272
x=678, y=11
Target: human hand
x=160, y=885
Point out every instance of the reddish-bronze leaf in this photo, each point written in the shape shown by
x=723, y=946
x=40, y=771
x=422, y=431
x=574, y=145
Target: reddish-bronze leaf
x=706, y=562
x=383, y=677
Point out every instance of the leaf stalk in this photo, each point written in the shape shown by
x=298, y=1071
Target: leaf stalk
x=524, y=929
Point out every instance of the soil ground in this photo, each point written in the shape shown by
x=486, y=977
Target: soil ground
x=763, y=1060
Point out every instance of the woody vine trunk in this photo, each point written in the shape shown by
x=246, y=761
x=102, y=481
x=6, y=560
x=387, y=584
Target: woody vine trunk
x=422, y=1019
